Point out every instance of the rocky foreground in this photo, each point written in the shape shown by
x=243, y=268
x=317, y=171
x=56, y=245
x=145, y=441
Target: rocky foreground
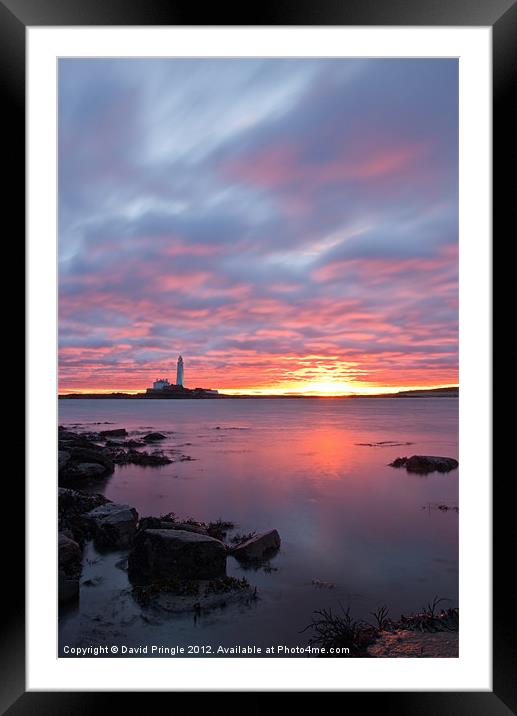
x=172, y=564
x=175, y=566
x=181, y=564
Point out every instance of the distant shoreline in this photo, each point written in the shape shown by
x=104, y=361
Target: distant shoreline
x=451, y=392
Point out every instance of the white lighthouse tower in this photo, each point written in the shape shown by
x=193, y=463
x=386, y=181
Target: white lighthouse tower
x=179, y=372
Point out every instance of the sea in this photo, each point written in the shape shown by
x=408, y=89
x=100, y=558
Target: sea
x=356, y=534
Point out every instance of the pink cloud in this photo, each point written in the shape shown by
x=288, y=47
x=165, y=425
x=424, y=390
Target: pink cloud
x=279, y=166
x=181, y=282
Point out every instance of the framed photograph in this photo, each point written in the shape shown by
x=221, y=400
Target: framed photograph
x=259, y=447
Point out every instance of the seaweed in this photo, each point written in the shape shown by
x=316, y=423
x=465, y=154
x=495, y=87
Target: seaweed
x=337, y=631
x=341, y=630
x=429, y=619
x=219, y=528
x=241, y=538
x=381, y=617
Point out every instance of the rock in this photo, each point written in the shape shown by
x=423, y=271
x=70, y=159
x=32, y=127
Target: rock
x=96, y=455
x=69, y=555
x=69, y=440
x=160, y=554
x=83, y=463
x=115, y=433
x=425, y=463
x=91, y=437
x=398, y=462
x=65, y=435
x=72, y=505
x=154, y=437
x=411, y=644
x=76, y=502
x=84, y=470
x=152, y=523
x=145, y=458
x=134, y=457
x=258, y=547
x=188, y=527
x=124, y=443
x=159, y=523
x=114, y=525
x=69, y=568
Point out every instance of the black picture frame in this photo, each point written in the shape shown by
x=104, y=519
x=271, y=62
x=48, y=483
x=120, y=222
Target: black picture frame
x=501, y=15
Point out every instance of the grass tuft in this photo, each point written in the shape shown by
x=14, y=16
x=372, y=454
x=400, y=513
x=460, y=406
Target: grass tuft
x=219, y=528
x=340, y=630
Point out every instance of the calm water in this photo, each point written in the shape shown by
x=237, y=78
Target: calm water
x=344, y=516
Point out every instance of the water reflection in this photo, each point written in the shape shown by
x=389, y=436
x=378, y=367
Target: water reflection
x=345, y=516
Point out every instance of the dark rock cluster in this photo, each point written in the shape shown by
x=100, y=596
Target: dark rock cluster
x=169, y=561
x=425, y=463
x=82, y=458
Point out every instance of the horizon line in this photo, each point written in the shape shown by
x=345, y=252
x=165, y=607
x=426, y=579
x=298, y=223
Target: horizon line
x=255, y=392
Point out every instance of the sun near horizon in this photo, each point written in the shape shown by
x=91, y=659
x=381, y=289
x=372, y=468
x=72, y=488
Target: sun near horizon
x=316, y=389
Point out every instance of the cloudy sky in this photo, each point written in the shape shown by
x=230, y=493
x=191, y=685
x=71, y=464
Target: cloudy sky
x=286, y=225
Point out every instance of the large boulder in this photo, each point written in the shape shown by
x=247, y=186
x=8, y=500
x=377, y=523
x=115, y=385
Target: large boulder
x=165, y=554
x=160, y=523
x=114, y=526
x=190, y=527
x=69, y=568
x=258, y=547
x=425, y=463
x=155, y=523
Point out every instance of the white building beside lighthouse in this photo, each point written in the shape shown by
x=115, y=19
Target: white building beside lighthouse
x=179, y=372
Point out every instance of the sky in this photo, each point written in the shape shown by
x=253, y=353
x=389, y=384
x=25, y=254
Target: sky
x=287, y=225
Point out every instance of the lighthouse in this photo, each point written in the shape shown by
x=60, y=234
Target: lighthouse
x=179, y=372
